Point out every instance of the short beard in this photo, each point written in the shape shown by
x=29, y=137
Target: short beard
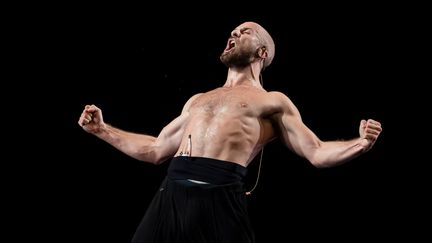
x=238, y=58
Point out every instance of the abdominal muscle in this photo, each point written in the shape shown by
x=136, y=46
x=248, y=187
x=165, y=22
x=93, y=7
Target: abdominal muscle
x=227, y=137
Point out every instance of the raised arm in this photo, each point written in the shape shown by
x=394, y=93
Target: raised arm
x=139, y=146
x=299, y=138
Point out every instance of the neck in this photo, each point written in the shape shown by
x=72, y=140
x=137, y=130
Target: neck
x=243, y=76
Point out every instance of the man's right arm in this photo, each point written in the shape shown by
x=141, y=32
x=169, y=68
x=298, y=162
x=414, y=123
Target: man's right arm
x=145, y=147
x=139, y=146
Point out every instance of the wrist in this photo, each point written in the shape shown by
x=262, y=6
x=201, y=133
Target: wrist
x=365, y=144
x=102, y=130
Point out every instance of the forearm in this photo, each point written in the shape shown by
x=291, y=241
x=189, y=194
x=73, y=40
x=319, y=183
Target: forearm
x=333, y=153
x=138, y=146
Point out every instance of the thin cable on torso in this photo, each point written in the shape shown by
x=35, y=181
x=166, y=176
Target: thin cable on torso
x=258, y=174
x=261, y=156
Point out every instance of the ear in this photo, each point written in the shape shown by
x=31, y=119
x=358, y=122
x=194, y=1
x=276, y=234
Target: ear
x=262, y=52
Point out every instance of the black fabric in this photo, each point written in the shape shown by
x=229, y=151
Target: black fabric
x=195, y=213
x=205, y=169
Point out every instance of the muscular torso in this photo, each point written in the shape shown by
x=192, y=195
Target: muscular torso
x=229, y=124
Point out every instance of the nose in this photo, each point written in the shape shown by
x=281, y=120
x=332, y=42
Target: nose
x=235, y=33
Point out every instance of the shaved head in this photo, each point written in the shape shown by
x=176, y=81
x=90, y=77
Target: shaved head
x=266, y=40
x=248, y=42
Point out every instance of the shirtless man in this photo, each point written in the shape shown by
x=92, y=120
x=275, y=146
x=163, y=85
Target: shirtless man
x=212, y=141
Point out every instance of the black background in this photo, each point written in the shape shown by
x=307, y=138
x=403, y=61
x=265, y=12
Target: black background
x=140, y=64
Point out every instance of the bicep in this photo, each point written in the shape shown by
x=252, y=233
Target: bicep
x=293, y=132
x=297, y=136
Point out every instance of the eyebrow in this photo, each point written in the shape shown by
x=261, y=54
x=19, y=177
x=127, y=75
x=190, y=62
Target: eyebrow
x=245, y=28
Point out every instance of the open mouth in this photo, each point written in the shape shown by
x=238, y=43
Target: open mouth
x=230, y=45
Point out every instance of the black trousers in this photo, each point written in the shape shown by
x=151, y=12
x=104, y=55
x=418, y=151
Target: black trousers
x=186, y=212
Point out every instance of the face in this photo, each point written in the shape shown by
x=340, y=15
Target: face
x=242, y=46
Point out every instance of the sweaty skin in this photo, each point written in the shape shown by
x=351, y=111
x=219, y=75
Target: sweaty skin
x=229, y=123
x=235, y=121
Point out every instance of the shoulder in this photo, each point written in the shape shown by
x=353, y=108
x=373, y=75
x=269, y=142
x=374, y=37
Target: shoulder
x=280, y=98
x=193, y=98
x=190, y=101
x=283, y=102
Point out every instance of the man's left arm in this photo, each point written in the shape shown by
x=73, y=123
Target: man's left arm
x=299, y=138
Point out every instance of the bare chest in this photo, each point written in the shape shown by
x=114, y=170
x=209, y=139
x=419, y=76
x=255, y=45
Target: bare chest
x=226, y=101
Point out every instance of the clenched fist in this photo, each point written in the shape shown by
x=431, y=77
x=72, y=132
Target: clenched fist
x=91, y=119
x=369, y=131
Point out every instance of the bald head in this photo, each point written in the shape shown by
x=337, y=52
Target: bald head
x=266, y=40
x=248, y=43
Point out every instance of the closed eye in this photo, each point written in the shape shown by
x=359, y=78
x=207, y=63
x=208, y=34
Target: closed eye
x=245, y=31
